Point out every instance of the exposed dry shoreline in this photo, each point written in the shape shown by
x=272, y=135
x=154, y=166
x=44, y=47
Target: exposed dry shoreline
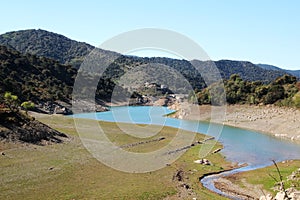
x=280, y=122
x=277, y=121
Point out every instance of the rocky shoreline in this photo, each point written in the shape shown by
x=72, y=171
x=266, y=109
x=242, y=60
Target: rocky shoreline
x=281, y=122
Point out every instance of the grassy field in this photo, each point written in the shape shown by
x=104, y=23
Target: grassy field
x=263, y=176
x=68, y=170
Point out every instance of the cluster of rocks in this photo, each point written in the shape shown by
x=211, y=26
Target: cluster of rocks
x=83, y=106
x=185, y=191
x=180, y=149
x=281, y=122
x=153, y=101
x=57, y=107
x=26, y=129
x=286, y=136
x=295, y=177
x=190, y=146
x=142, y=142
x=268, y=112
x=290, y=193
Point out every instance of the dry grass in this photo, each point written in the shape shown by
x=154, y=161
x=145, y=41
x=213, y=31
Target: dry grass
x=68, y=170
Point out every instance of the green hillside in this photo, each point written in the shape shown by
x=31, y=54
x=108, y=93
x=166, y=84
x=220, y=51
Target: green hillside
x=67, y=51
x=34, y=78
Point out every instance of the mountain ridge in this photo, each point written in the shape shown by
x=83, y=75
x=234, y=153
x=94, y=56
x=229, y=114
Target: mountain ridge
x=275, y=68
x=76, y=49
x=70, y=52
x=47, y=44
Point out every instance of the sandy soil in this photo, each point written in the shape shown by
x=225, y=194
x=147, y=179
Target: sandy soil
x=277, y=121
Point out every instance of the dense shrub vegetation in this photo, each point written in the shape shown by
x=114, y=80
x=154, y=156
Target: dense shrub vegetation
x=46, y=44
x=37, y=79
x=283, y=91
x=34, y=78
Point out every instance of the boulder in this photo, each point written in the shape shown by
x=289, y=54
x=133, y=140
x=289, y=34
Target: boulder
x=203, y=162
x=268, y=197
x=199, y=161
x=295, y=196
x=206, y=162
x=280, y=196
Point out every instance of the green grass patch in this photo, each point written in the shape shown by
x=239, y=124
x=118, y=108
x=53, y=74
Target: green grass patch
x=264, y=176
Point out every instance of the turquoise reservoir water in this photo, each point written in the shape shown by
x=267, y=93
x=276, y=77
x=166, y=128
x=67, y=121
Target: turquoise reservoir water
x=242, y=146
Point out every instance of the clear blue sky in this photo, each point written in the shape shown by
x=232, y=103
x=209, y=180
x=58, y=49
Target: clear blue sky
x=260, y=31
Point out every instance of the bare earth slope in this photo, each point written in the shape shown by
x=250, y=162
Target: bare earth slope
x=280, y=122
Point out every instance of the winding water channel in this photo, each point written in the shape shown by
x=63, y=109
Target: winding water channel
x=240, y=145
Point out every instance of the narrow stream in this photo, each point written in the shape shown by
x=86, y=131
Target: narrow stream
x=208, y=181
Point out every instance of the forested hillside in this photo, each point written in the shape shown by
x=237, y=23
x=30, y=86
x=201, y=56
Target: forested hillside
x=67, y=51
x=47, y=44
x=40, y=79
x=283, y=91
x=34, y=78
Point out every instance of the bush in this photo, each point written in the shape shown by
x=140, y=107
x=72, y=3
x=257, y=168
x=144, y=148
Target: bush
x=296, y=99
x=11, y=101
x=27, y=105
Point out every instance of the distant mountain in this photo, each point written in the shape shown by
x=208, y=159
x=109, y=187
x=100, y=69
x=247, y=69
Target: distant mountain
x=272, y=67
x=47, y=44
x=67, y=51
x=247, y=71
x=294, y=73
